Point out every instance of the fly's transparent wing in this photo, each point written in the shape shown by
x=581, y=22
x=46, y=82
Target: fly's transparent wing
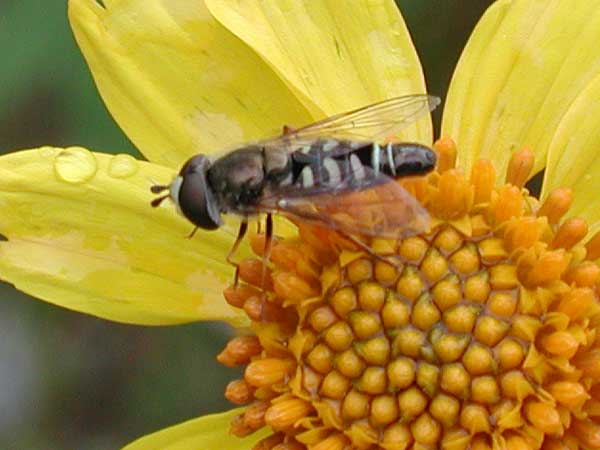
x=376, y=205
x=372, y=123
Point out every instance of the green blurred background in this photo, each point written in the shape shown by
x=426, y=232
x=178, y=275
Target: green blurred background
x=72, y=381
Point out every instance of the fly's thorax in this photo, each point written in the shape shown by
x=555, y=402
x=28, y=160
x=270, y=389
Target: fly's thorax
x=238, y=178
x=193, y=196
x=278, y=167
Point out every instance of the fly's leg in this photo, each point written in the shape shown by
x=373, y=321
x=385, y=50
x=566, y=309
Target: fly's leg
x=364, y=247
x=191, y=235
x=267, y=249
x=238, y=240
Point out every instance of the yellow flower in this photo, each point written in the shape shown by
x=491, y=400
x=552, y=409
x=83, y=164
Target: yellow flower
x=481, y=333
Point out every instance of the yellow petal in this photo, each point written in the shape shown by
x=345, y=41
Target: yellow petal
x=335, y=55
x=82, y=234
x=574, y=155
x=176, y=81
x=524, y=65
x=204, y=433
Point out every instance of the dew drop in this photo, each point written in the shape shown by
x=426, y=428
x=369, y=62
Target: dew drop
x=75, y=165
x=122, y=166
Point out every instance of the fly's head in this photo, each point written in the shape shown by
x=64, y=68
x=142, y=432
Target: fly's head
x=192, y=194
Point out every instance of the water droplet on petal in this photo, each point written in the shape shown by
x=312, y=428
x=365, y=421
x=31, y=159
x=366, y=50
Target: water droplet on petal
x=122, y=166
x=75, y=165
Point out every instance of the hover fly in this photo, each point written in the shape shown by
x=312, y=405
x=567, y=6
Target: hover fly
x=305, y=173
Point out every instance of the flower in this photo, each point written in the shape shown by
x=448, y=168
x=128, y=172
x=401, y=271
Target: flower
x=480, y=333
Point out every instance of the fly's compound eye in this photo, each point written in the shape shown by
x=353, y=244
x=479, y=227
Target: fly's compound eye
x=194, y=196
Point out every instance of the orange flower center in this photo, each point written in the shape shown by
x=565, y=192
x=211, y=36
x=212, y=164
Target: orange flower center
x=481, y=333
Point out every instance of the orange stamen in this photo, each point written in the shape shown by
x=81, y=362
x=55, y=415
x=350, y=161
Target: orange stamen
x=570, y=233
x=483, y=177
x=556, y=205
x=519, y=167
x=446, y=152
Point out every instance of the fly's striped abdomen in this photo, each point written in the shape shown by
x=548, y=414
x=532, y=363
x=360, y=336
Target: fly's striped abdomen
x=398, y=159
x=331, y=162
x=325, y=163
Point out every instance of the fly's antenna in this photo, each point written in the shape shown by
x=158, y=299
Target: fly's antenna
x=157, y=201
x=158, y=188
